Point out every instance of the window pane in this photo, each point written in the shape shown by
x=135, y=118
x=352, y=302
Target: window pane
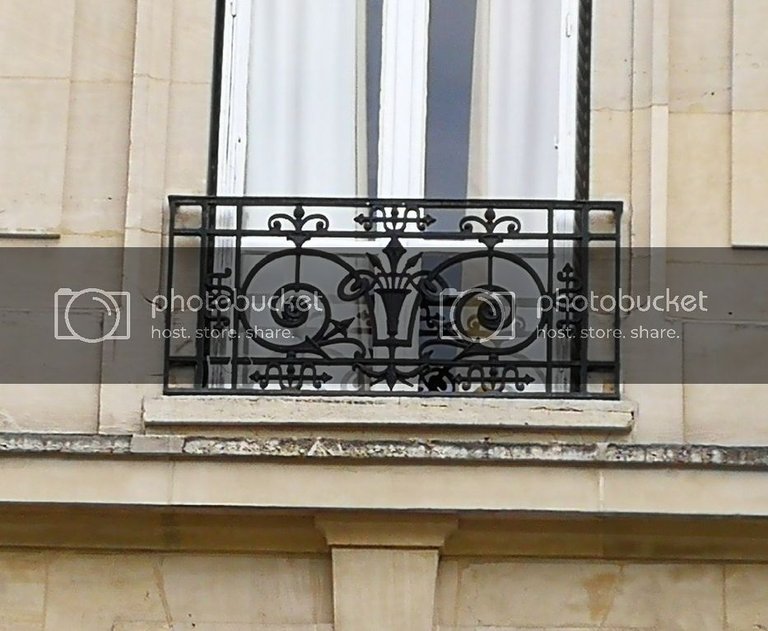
x=449, y=96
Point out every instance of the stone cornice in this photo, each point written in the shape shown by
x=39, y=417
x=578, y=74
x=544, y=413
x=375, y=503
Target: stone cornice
x=601, y=454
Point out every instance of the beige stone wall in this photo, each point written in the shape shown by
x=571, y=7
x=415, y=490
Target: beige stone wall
x=66, y=82
x=510, y=595
x=676, y=85
x=62, y=591
x=106, y=112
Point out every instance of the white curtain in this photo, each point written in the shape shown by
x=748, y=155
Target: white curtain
x=521, y=125
x=515, y=99
x=304, y=83
x=302, y=98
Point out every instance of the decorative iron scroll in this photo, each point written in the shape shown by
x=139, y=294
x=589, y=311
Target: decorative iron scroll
x=404, y=297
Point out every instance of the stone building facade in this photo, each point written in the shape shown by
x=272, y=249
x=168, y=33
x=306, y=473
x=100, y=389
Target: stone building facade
x=127, y=510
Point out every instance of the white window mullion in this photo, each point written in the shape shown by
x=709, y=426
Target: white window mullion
x=569, y=60
x=566, y=154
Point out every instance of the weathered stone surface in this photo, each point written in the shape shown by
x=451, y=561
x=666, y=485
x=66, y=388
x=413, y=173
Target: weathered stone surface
x=598, y=454
x=508, y=594
x=363, y=412
x=611, y=454
x=57, y=591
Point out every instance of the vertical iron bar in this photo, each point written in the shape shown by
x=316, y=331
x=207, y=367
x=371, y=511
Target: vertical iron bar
x=235, y=376
x=616, y=285
x=202, y=348
x=551, y=292
x=583, y=343
x=583, y=99
x=216, y=87
x=583, y=141
x=168, y=292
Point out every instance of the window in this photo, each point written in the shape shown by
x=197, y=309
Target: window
x=401, y=160
x=400, y=98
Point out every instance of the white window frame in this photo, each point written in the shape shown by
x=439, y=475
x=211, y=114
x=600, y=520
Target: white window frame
x=233, y=119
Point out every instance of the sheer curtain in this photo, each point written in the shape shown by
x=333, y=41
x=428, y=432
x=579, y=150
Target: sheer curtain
x=306, y=137
x=515, y=99
x=302, y=98
x=304, y=127
x=521, y=131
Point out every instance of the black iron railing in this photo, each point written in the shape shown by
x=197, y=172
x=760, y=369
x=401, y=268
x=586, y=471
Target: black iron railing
x=403, y=297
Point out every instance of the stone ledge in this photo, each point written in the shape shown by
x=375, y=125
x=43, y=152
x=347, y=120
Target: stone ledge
x=406, y=451
x=28, y=235
x=438, y=487
x=389, y=412
x=26, y=444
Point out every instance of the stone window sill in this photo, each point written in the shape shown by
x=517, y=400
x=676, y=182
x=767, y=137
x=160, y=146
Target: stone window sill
x=388, y=412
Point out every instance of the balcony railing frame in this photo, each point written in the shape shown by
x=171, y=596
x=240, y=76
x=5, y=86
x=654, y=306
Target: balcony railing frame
x=383, y=363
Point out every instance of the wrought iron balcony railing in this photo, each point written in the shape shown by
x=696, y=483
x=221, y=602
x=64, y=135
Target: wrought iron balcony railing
x=403, y=297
